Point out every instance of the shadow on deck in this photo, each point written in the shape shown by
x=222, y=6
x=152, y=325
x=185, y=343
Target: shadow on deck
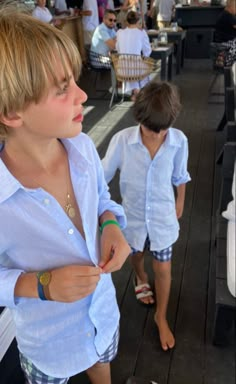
x=194, y=360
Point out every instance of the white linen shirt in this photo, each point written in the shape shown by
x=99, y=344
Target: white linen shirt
x=90, y=22
x=146, y=185
x=165, y=10
x=133, y=41
x=36, y=234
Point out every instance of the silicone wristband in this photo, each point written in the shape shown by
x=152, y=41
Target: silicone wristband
x=108, y=222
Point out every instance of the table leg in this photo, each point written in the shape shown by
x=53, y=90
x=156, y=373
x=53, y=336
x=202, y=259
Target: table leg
x=178, y=56
x=170, y=67
x=163, y=68
x=183, y=52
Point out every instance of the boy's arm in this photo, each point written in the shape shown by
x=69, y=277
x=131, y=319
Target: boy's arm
x=67, y=284
x=179, y=204
x=114, y=247
x=111, y=161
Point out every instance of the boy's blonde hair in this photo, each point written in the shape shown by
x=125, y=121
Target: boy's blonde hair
x=30, y=52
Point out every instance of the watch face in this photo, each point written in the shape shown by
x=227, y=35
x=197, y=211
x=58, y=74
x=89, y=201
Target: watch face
x=45, y=278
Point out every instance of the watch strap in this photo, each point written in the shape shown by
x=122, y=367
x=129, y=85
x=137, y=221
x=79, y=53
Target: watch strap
x=44, y=279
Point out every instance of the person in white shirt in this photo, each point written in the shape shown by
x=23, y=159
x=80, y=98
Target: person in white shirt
x=152, y=159
x=41, y=12
x=90, y=23
x=165, y=13
x=61, y=8
x=133, y=40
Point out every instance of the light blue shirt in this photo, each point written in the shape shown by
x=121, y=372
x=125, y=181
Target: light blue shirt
x=36, y=234
x=101, y=34
x=146, y=185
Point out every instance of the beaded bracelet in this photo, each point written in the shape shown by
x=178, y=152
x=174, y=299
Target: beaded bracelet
x=107, y=222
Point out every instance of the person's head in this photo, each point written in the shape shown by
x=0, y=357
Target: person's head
x=231, y=6
x=132, y=18
x=157, y=105
x=34, y=58
x=109, y=18
x=41, y=3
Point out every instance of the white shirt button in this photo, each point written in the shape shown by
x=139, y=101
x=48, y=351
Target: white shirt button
x=89, y=334
x=148, y=208
x=71, y=231
x=46, y=201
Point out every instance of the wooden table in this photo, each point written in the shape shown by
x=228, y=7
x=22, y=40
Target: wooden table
x=178, y=38
x=73, y=27
x=165, y=54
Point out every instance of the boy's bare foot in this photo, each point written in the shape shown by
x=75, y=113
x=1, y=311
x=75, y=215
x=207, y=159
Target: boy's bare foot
x=166, y=336
x=143, y=292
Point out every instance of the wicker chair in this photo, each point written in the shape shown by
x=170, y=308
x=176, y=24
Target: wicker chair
x=99, y=64
x=128, y=68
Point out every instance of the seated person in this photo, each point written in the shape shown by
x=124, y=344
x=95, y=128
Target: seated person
x=61, y=8
x=42, y=13
x=225, y=31
x=133, y=40
x=104, y=37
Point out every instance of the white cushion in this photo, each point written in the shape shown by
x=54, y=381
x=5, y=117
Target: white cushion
x=230, y=213
x=231, y=257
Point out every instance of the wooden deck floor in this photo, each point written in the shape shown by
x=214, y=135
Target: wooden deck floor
x=194, y=360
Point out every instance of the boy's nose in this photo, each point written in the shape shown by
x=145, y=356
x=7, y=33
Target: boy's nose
x=81, y=96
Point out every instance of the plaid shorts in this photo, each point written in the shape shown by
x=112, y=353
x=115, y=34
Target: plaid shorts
x=163, y=255
x=35, y=376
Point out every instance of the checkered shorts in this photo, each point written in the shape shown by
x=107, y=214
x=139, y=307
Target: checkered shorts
x=35, y=376
x=163, y=255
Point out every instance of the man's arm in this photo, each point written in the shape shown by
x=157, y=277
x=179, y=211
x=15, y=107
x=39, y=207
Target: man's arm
x=111, y=43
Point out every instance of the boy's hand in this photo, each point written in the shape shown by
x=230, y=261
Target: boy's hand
x=73, y=282
x=114, y=249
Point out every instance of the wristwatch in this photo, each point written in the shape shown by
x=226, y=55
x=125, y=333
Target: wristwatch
x=44, y=279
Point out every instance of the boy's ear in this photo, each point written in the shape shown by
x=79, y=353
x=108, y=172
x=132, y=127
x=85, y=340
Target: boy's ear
x=12, y=120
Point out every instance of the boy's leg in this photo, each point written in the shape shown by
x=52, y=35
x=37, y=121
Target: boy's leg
x=162, y=271
x=137, y=262
x=99, y=373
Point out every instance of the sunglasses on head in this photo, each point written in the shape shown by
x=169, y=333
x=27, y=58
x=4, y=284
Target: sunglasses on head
x=112, y=20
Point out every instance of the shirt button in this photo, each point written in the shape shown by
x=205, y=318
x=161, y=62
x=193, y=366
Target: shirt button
x=71, y=231
x=148, y=220
x=148, y=208
x=89, y=334
x=46, y=201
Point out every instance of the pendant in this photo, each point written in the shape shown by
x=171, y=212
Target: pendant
x=69, y=209
x=71, y=212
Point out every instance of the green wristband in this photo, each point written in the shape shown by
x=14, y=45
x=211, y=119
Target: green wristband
x=108, y=222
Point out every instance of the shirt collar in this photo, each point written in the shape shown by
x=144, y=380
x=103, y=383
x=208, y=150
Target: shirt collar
x=135, y=137
x=10, y=185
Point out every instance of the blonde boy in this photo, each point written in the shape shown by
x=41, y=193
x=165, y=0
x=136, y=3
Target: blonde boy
x=54, y=261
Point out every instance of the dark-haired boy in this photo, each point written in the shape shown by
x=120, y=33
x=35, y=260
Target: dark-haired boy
x=152, y=159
